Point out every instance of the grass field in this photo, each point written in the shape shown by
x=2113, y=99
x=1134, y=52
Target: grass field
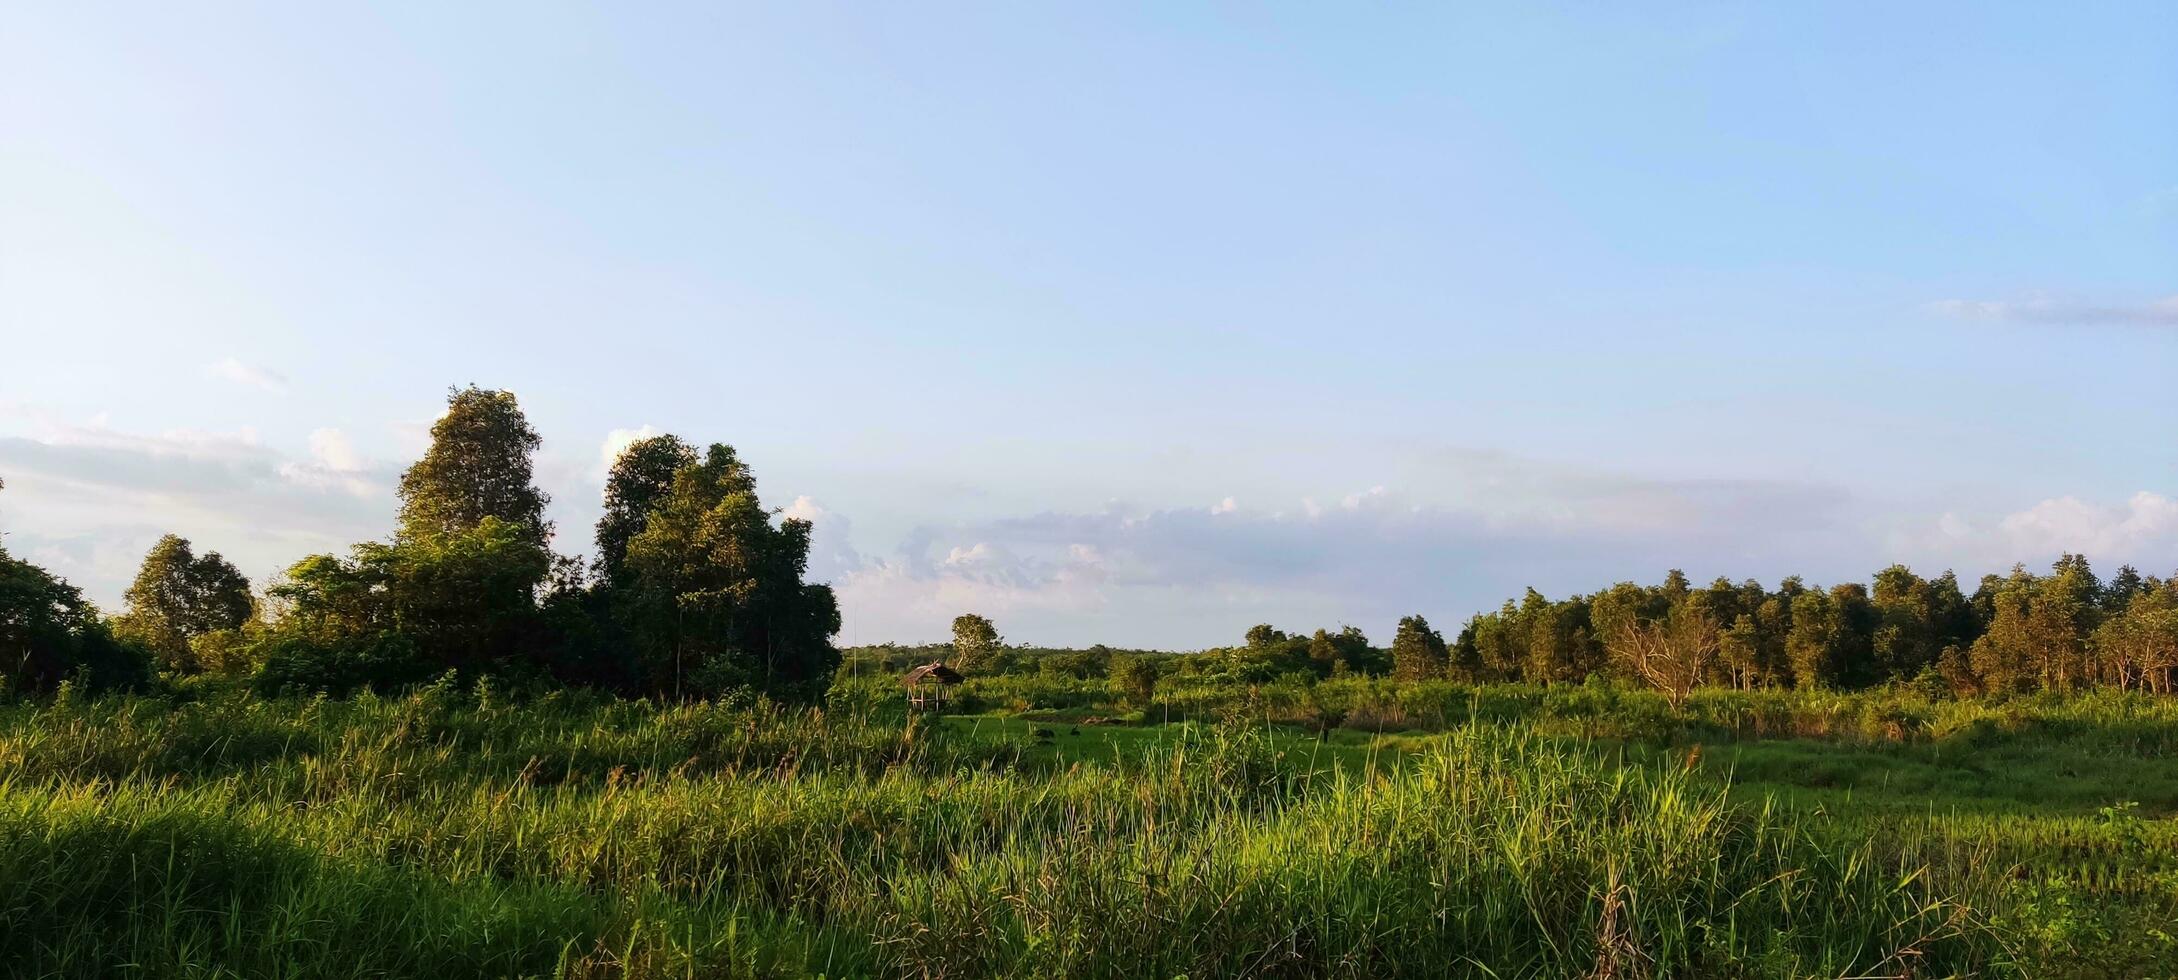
x=454, y=834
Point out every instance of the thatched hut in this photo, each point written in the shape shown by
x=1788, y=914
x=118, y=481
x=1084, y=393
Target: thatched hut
x=927, y=684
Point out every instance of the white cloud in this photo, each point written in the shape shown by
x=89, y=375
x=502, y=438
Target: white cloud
x=2070, y=524
x=230, y=369
x=331, y=448
x=2141, y=530
x=616, y=442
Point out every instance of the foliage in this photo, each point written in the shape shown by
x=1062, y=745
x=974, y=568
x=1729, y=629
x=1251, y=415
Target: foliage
x=178, y=596
x=976, y=643
x=478, y=467
x=641, y=476
x=1418, y=652
x=459, y=600
x=49, y=635
x=714, y=598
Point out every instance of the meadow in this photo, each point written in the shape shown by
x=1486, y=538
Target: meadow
x=1434, y=830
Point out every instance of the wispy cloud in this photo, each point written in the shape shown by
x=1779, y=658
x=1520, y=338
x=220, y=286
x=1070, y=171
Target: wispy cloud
x=231, y=369
x=2159, y=313
x=1197, y=575
x=87, y=499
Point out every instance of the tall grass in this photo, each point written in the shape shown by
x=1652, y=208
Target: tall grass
x=444, y=834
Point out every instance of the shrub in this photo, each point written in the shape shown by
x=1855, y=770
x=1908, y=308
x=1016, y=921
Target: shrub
x=294, y=664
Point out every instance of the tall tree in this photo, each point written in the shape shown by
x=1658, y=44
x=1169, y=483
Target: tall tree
x=1739, y=649
x=976, y=642
x=1418, y=652
x=2065, y=611
x=2006, y=657
x=640, y=478
x=1813, y=643
x=716, y=600
x=478, y=466
x=179, y=596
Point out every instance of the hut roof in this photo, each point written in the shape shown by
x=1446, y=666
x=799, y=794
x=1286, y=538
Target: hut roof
x=936, y=671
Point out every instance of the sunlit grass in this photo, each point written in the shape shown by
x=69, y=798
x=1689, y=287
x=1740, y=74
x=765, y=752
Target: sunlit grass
x=454, y=834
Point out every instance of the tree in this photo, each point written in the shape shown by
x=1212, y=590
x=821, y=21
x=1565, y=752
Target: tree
x=1136, y=678
x=1325, y=653
x=178, y=597
x=1418, y=652
x=478, y=466
x=2004, y=657
x=49, y=634
x=976, y=642
x=461, y=600
x=715, y=599
x=1355, y=653
x=1261, y=636
x=1812, y=644
x=640, y=478
x=2138, y=645
x=2063, y=613
x=1740, y=650
x=1672, y=654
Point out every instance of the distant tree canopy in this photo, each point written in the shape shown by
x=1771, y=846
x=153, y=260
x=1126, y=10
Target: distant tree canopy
x=2022, y=632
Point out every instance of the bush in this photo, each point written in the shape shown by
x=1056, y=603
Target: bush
x=297, y=665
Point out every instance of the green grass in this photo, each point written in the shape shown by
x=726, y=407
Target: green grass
x=456, y=835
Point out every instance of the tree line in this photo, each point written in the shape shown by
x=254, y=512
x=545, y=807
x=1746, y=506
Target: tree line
x=2063, y=631
x=695, y=589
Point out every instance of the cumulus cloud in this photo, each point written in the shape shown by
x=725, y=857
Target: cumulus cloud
x=331, y=448
x=335, y=464
x=616, y=442
x=230, y=369
x=2162, y=312
x=2141, y=530
x=831, y=551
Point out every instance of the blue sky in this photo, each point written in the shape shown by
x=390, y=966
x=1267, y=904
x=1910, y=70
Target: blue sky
x=1132, y=325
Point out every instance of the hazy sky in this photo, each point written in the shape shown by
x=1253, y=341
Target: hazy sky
x=1130, y=325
